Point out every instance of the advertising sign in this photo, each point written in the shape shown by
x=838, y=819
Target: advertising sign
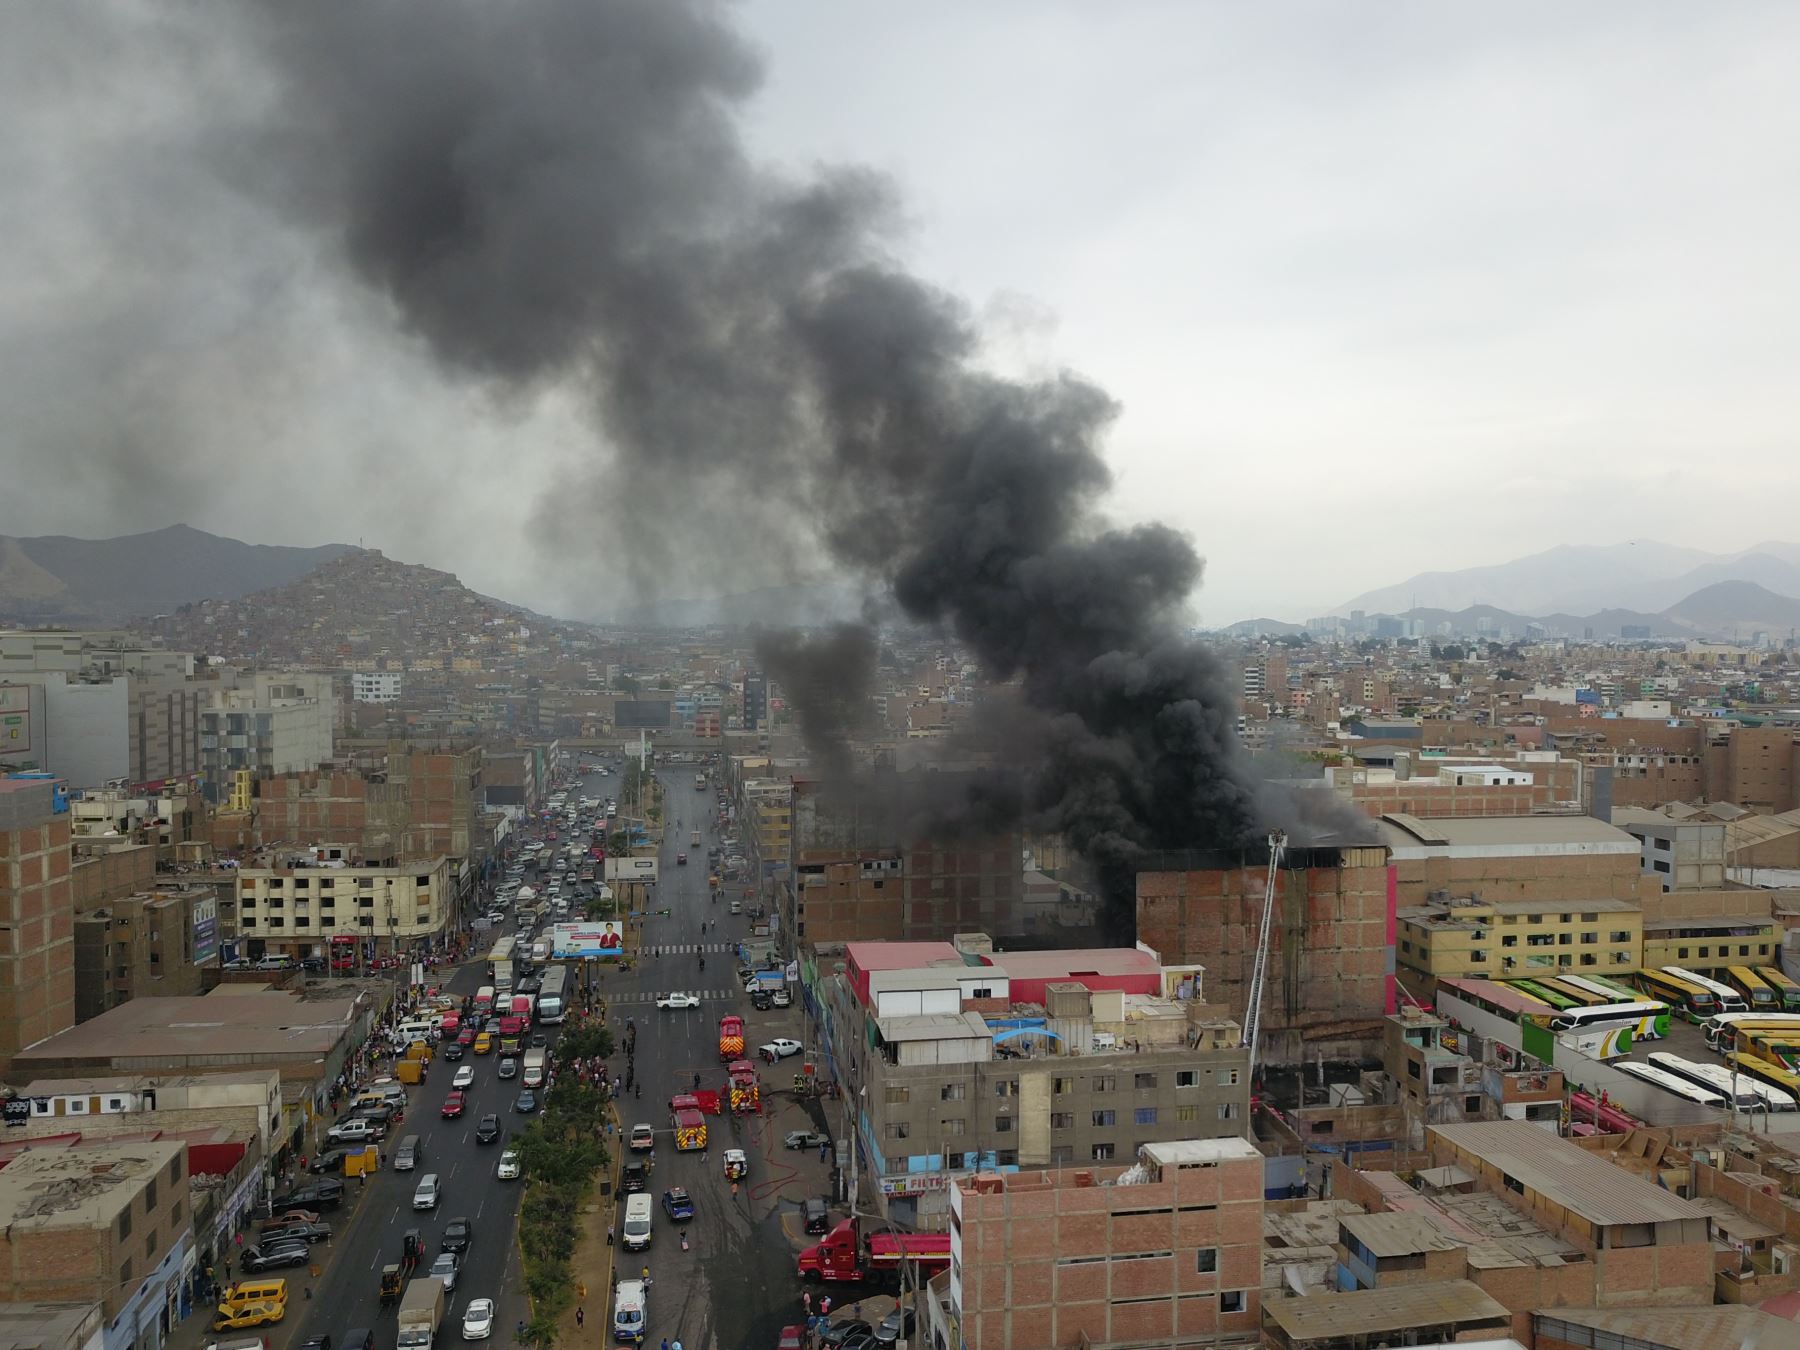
x=205, y=930
x=15, y=718
x=631, y=869
x=602, y=938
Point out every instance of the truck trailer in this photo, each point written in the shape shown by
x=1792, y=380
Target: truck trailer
x=421, y=1313
x=847, y=1254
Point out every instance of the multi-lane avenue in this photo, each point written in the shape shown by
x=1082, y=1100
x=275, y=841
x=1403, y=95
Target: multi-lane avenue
x=735, y=1284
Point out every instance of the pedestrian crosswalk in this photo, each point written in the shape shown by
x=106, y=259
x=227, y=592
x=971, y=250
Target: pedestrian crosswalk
x=686, y=948
x=704, y=995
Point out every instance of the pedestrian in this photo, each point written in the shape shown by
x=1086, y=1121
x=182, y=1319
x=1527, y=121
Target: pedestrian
x=806, y=1301
x=609, y=1237
x=825, y=1306
x=665, y=1344
x=580, y=1315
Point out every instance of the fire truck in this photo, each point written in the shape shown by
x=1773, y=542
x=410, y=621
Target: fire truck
x=746, y=1092
x=731, y=1038
x=846, y=1253
x=690, y=1130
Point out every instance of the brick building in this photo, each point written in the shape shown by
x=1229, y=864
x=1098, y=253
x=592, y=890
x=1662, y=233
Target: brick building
x=37, y=916
x=140, y=946
x=1331, y=973
x=1167, y=1251
x=107, y=1222
x=1563, y=858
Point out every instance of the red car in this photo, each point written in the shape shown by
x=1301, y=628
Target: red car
x=466, y=1037
x=453, y=1106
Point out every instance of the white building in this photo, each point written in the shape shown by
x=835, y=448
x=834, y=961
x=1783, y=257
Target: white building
x=296, y=910
x=269, y=723
x=375, y=686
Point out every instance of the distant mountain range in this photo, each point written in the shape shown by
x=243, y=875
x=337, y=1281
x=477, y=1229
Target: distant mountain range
x=803, y=603
x=58, y=579
x=1725, y=609
x=1644, y=576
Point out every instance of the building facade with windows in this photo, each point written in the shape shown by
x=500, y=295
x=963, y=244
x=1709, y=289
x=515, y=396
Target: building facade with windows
x=947, y=1069
x=296, y=910
x=375, y=686
x=1465, y=937
x=1165, y=1252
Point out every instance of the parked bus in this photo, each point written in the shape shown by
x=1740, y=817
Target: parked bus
x=1747, y=1092
x=1779, y=1046
x=1767, y=1072
x=1722, y=1030
x=1543, y=993
x=1696, y=1001
x=553, y=998
x=1583, y=998
x=1617, y=990
x=1728, y=999
x=1782, y=985
x=1668, y=1082
x=1648, y=1020
x=1762, y=996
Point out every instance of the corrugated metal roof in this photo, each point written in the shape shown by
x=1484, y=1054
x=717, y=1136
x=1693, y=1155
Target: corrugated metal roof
x=1400, y=1307
x=1599, y=1191
x=1724, y=1326
x=1397, y=1234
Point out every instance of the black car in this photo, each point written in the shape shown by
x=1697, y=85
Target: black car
x=274, y=1257
x=296, y=1232
x=456, y=1236
x=358, y=1338
x=326, y=1193
x=332, y=1160
x=313, y=965
x=761, y=1001
x=839, y=1332
x=321, y=1342
x=634, y=1178
x=452, y=1051
x=815, y=1215
x=488, y=1130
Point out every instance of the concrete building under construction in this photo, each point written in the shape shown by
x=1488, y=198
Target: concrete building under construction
x=1331, y=966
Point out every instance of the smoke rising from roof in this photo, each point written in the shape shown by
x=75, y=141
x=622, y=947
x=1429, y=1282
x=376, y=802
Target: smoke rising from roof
x=554, y=194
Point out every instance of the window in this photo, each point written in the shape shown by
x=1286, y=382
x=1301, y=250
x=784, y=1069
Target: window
x=1187, y=1078
x=1231, y=1301
x=1003, y=1125
x=1568, y=918
x=1472, y=1105
x=1228, y=1110
x=1660, y=864
x=1744, y=950
x=1681, y=953
x=1143, y=1081
x=1206, y=1261
x=1104, y=1119
x=899, y=1129
x=1062, y=1086
x=1062, y=1120
x=1588, y=939
x=1589, y=959
x=1706, y=951
x=1186, y=1114
x=1509, y=940
x=1105, y=1082
x=1144, y=1115
x=1478, y=956
x=1102, y=1153
x=150, y=1197
x=124, y=1224
x=1006, y=1087
x=896, y=1095
x=1227, y=1077
x=1006, y=1157
x=953, y=1092
x=1412, y=1069
x=1564, y=939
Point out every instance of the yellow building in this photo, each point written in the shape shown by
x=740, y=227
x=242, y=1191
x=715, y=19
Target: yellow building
x=294, y=910
x=1709, y=944
x=769, y=805
x=1467, y=938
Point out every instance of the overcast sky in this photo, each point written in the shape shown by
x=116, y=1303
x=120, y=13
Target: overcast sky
x=1381, y=288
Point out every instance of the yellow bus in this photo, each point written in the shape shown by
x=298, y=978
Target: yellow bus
x=1768, y=1072
x=1692, y=1000
x=1585, y=998
x=1781, y=984
x=1756, y=991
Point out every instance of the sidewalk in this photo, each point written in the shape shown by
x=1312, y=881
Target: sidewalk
x=592, y=1262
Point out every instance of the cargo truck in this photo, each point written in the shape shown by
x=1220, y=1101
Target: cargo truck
x=421, y=1313
x=534, y=1069
x=847, y=1254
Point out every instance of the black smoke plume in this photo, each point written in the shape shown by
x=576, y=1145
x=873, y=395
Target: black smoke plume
x=555, y=194
x=828, y=677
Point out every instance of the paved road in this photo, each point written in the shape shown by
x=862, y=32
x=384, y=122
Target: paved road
x=735, y=1286
x=349, y=1296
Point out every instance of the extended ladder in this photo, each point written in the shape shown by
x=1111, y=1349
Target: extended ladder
x=1260, y=971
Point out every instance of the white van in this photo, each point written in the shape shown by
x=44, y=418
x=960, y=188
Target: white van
x=417, y=1030
x=628, y=1311
x=637, y=1221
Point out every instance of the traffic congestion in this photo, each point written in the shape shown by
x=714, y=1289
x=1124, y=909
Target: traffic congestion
x=723, y=1227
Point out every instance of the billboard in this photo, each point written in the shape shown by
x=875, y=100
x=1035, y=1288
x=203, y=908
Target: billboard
x=602, y=938
x=205, y=930
x=631, y=869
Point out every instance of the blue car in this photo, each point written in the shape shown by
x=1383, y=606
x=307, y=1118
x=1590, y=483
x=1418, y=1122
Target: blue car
x=677, y=1204
x=527, y=1101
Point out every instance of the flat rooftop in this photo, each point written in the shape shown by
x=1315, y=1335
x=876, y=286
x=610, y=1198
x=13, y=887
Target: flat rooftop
x=1722, y=1326
x=1073, y=964
x=80, y=1187
x=935, y=1027
x=209, y=1028
x=1567, y=1175
x=49, y=1326
x=1411, y=836
x=1395, y=1308
x=867, y=956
